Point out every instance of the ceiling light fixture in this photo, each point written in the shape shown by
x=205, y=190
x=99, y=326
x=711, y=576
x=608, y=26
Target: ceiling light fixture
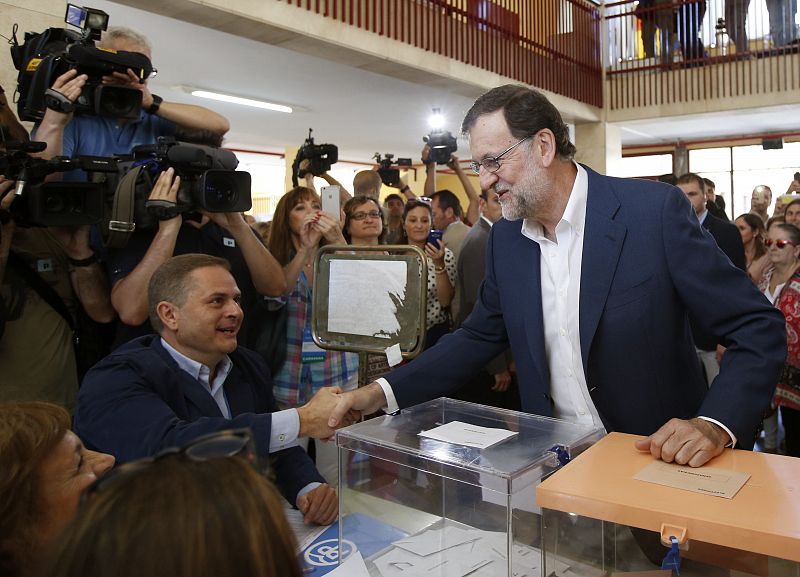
x=242, y=101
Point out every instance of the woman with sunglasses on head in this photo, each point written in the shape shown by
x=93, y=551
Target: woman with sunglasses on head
x=44, y=468
x=363, y=221
x=781, y=285
x=751, y=227
x=417, y=218
x=179, y=515
x=299, y=228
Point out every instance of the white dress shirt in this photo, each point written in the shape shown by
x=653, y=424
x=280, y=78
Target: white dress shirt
x=285, y=424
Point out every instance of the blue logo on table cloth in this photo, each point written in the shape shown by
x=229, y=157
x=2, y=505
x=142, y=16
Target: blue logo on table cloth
x=326, y=553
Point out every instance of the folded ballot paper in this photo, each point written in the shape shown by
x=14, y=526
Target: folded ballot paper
x=469, y=435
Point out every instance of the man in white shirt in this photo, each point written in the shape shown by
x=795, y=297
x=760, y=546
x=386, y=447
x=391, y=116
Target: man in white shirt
x=592, y=290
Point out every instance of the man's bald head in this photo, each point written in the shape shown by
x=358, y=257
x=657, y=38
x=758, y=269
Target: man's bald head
x=367, y=183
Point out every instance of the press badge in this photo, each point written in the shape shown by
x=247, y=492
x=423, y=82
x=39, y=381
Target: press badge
x=44, y=265
x=311, y=352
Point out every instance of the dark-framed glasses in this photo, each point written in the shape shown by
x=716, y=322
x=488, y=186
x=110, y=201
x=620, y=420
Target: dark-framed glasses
x=217, y=445
x=365, y=215
x=779, y=243
x=492, y=163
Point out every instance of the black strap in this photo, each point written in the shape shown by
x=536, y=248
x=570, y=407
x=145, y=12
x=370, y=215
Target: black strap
x=37, y=283
x=121, y=224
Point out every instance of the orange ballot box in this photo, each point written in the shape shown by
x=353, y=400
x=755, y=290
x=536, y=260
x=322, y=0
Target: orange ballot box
x=615, y=511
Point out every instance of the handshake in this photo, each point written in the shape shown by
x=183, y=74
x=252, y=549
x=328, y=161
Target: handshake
x=331, y=409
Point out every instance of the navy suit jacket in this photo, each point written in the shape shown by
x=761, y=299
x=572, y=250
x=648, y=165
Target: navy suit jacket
x=646, y=264
x=138, y=401
x=729, y=240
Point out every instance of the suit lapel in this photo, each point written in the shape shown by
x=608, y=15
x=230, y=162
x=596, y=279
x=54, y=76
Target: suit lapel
x=238, y=393
x=602, y=244
x=193, y=392
x=528, y=269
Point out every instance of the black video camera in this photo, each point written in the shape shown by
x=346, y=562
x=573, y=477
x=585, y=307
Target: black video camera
x=209, y=180
x=442, y=145
x=390, y=176
x=45, y=56
x=40, y=203
x=322, y=157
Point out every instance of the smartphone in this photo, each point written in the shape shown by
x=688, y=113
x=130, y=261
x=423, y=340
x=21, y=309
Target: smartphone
x=433, y=236
x=330, y=200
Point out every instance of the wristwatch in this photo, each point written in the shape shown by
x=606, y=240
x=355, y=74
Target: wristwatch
x=157, y=100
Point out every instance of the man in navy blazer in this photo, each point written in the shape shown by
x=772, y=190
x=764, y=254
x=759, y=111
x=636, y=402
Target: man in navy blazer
x=729, y=240
x=191, y=379
x=590, y=279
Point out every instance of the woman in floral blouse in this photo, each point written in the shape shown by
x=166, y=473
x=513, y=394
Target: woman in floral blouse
x=417, y=217
x=781, y=285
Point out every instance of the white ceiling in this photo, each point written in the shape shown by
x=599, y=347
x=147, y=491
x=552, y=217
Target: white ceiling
x=712, y=125
x=362, y=112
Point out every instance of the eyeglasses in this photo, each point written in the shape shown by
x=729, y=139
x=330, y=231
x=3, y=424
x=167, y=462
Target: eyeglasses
x=218, y=445
x=492, y=163
x=365, y=215
x=779, y=243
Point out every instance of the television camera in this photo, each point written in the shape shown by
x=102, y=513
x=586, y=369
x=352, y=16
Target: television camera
x=44, y=56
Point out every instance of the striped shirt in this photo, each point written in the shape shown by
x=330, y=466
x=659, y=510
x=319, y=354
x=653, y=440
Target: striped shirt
x=296, y=382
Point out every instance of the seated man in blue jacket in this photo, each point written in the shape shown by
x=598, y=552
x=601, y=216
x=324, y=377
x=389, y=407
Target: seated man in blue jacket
x=191, y=379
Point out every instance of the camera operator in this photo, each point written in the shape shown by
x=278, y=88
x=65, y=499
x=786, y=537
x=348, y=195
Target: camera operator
x=473, y=209
x=47, y=275
x=226, y=235
x=90, y=135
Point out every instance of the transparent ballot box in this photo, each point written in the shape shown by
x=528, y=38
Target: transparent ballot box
x=616, y=511
x=414, y=505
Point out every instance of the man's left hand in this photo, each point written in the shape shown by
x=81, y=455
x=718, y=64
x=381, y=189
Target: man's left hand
x=693, y=442
x=320, y=506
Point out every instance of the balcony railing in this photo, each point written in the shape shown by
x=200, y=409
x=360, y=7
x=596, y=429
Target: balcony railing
x=551, y=44
x=692, y=50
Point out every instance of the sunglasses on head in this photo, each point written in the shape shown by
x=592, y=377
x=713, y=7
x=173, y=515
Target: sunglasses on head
x=779, y=243
x=218, y=445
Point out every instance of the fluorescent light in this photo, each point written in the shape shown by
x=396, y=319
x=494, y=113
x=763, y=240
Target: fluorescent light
x=242, y=101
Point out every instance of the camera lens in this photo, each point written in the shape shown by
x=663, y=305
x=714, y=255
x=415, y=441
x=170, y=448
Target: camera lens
x=220, y=193
x=117, y=101
x=55, y=203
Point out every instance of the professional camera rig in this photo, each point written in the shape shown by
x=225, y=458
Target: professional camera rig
x=442, y=145
x=40, y=203
x=44, y=56
x=116, y=196
x=390, y=176
x=322, y=157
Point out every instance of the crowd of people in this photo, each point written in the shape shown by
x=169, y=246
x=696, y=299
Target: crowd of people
x=670, y=28
x=558, y=291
